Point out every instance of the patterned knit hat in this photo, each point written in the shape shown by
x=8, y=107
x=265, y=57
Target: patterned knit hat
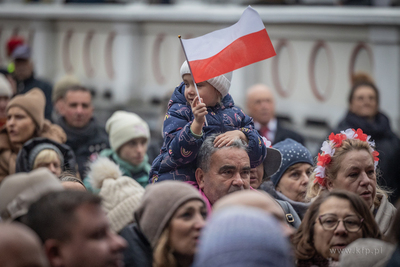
x=121, y=194
x=222, y=83
x=123, y=126
x=33, y=102
x=242, y=236
x=292, y=153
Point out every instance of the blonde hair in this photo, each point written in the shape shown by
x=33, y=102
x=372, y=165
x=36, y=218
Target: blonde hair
x=314, y=189
x=162, y=255
x=45, y=156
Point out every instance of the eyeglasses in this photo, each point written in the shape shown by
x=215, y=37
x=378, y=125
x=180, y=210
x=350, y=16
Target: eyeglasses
x=330, y=222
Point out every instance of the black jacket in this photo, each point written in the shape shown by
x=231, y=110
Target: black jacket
x=282, y=133
x=32, y=82
x=387, y=144
x=22, y=162
x=85, y=141
x=139, y=252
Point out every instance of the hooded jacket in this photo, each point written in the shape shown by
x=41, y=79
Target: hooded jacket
x=177, y=160
x=9, y=151
x=22, y=162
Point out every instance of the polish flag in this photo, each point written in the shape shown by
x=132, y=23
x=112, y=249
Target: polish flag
x=226, y=50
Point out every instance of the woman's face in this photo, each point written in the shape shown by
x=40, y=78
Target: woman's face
x=293, y=183
x=134, y=150
x=185, y=227
x=54, y=166
x=364, y=102
x=20, y=126
x=330, y=243
x=357, y=175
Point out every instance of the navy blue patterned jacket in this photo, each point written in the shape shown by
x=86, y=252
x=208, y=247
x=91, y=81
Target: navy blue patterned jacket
x=177, y=159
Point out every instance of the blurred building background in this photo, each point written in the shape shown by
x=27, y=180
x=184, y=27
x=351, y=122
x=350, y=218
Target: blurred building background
x=128, y=52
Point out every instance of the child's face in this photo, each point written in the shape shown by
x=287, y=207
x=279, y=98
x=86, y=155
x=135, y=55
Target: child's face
x=134, y=150
x=210, y=95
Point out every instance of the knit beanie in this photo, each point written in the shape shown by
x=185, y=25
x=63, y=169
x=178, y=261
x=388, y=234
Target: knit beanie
x=292, y=153
x=5, y=87
x=159, y=203
x=39, y=148
x=19, y=191
x=33, y=102
x=123, y=126
x=222, y=83
x=121, y=194
x=242, y=236
x=61, y=87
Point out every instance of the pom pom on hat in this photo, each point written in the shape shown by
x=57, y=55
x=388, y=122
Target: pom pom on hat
x=222, y=83
x=124, y=126
x=121, y=194
x=5, y=87
x=33, y=102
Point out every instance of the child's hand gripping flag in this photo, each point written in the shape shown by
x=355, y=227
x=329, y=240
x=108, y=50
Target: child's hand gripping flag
x=225, y=50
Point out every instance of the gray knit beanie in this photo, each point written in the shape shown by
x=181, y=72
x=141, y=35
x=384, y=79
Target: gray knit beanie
x=19, y=191
x=222, y=83
x=243, y=236
x=39, y=148
x=159, y=203
x=292, y=153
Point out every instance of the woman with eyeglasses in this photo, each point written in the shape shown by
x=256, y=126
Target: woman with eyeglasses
x=349, y=161
x=333, y=221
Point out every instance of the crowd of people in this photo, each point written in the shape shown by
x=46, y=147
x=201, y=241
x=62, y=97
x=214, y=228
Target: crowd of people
x=73, y=193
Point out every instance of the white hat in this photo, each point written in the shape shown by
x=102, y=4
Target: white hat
x=5, y=87
x=123, y=126
x=222, y=83
x=121, y=194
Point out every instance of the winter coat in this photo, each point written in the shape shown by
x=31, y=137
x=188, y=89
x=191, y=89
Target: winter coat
x=85, y=141
x=139, y=252
x=395, y=258
x=177, y=160
x=139, y=173
x=22, y=163
x=299, y=207
x=387, y=144
x=384, y=214
x=32, y=82
x=9, y=151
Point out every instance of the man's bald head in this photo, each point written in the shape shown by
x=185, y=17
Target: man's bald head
x=20, y=246
x=260, y=103
x=256, y=199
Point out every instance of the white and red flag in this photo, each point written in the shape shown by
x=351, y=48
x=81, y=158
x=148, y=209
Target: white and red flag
x=228, y=49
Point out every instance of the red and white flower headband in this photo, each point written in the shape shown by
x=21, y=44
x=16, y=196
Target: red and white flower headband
x=335, y=140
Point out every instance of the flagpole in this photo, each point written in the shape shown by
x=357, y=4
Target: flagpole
x=191, y=73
